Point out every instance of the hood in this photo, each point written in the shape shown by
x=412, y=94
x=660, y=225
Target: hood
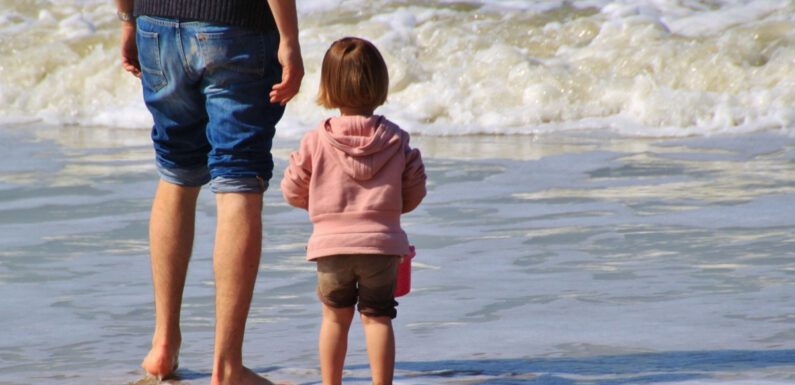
x=362, y=145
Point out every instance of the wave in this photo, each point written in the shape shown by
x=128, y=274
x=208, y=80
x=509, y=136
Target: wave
x=639, y=68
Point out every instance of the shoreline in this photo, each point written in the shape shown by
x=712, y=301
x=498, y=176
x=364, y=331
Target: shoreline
x=463, y=147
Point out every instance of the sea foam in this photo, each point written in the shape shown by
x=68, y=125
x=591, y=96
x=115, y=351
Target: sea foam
x=638, y=68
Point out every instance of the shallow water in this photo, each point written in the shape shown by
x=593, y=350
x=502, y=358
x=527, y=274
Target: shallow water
x=557, y=259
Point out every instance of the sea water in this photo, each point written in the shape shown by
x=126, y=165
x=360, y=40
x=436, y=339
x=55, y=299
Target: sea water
x=569, y=259
x=630, y=223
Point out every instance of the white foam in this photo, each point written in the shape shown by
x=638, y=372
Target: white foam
x=713, y=22
x=640, y=68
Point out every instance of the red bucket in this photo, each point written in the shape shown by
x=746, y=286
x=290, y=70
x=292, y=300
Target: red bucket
x=403, y=285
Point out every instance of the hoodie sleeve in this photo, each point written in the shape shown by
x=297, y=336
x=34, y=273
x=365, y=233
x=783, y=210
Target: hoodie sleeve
x=295, y=184
x=413, y=180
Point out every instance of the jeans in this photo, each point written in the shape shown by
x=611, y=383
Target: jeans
x=206, y=86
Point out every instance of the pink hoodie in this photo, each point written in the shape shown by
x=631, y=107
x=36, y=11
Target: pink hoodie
x=355, y=175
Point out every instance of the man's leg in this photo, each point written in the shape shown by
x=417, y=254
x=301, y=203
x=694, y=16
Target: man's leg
x=333, y=342
x=238, y=244
x=171, y=230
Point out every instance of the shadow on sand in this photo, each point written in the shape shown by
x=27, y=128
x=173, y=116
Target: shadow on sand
x=627, y=369
x=188, y=376
x=642, y=368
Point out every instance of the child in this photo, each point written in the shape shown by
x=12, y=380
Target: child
x=355, y=174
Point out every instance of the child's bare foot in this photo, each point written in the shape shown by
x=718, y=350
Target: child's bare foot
x=161, y=362
x=246, y=377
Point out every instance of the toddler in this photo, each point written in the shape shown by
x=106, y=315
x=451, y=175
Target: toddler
x=355, y=174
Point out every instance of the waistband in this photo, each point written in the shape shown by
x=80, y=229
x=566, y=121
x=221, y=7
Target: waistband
x=357, y=222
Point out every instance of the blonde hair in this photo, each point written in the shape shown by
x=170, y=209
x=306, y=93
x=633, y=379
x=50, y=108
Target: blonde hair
x=353, y=75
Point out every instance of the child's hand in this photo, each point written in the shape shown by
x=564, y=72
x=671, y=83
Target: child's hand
x=412, y=253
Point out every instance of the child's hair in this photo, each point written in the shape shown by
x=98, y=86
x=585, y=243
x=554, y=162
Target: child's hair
x=353, y=75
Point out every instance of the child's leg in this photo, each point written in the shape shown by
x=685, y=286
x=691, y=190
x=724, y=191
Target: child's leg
x=377, y=308
x=336, y=289
x=333, y=342
x=380, y=348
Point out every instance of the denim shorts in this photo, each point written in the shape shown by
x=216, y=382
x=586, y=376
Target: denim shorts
x=344, y=280
x=207, y=87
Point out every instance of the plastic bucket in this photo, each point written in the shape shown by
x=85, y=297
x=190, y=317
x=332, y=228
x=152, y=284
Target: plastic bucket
x=403, y=284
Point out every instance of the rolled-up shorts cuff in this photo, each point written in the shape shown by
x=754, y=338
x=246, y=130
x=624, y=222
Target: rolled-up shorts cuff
x=379, y=311
x=189, y=177
x=253, y=184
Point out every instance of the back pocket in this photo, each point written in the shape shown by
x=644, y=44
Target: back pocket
x=149, y=57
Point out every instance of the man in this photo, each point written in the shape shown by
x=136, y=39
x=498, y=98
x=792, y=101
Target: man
x=216, y=75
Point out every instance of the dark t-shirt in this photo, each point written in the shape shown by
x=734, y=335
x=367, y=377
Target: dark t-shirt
x=254, y=14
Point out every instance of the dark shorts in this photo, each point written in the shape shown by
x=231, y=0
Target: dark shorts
x=366, y=279
x=207, y=86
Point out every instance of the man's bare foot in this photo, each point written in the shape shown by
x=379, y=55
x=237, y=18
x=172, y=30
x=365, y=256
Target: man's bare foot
x=161, y=362
x=246, y=377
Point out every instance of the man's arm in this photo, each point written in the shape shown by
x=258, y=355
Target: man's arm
x=129, y=51
x=289, y=51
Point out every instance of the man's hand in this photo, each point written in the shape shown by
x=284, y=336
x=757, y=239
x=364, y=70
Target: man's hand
x=129, y=50
x=292, y=72
x=289, y=54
